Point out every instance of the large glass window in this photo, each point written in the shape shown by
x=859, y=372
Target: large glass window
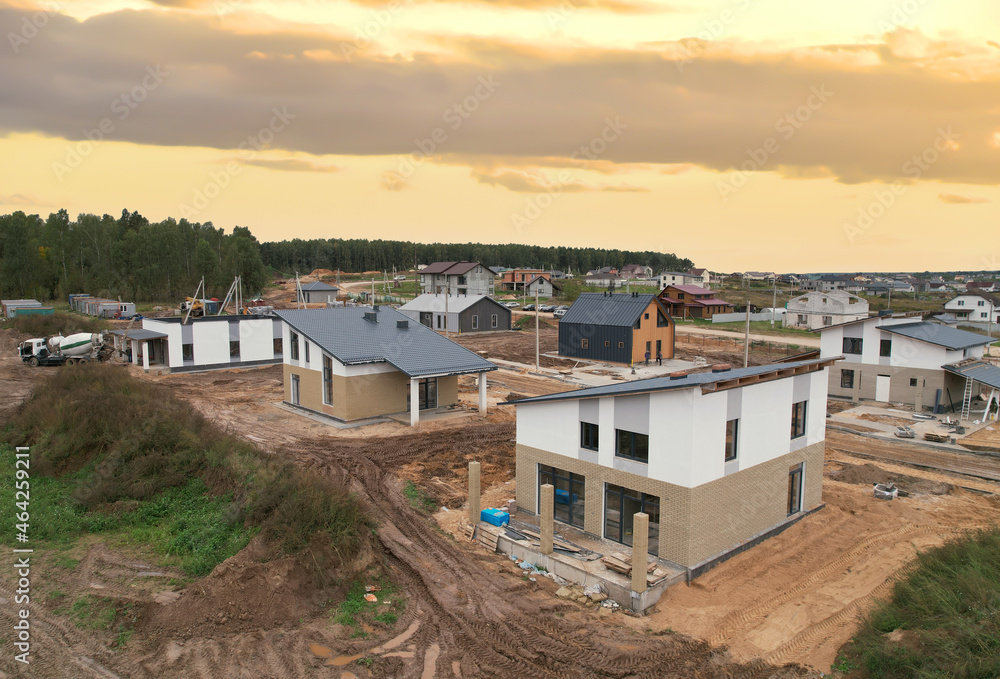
x=569, y=493
x=426, y=394
x=846, y=379
x=307, y=351
x=621, y=505
x=277, y=346
x=798, y=419
x=327, y=380
x=852, y=345
x=234, y=349
x=795, y=489
x=885, y=348
x=589, y=434
x=732, y=432
x=294, y=348
x=630, y=445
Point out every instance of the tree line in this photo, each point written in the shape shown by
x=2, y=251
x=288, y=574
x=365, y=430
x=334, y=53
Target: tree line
x=129, y=257
x=357, y=255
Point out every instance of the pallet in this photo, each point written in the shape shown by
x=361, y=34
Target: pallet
x=556, y=542
x=488, y=537
x=469, y=531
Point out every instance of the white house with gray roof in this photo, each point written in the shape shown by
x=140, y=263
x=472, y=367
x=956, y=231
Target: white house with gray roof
x=718, y=460
x=360, y=363
x=319, y=292
x=458, y=313
x=815, y=310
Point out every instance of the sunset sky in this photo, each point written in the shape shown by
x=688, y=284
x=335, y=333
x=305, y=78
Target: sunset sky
x=743, y=134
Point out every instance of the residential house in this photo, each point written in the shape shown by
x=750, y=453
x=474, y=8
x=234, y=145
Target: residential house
x=676, y=278
x=815, y=310
x=981, y=286
x=457, y=278
x=758, y=276
x=975, y=306
x=319, y=292
x=898, y=358
x=616, y=327
x=901, y=286
x=830, y=282
x=702, y=277
x=715, y=459
x=458, y=314
x=604, y=270
x=636, y=271
x=354, y=364
x=543, y=286
x=204, y=343
x=693, y=301
x=605, y=280
x=516, y=279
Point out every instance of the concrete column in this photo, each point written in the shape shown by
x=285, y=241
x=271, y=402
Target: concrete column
x=145, y=356
x=918, y=396
x=640, y=545
x=547, y=507
x=474, y=508
x=414, y=401
x=482, y=393
x=135, y=351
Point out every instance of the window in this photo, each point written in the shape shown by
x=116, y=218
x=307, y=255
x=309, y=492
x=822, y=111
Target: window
x=852, y=345
x=795, y=489
x=461, y=280
x=585, y=344
x=327, y=380
x=475, y=322
x=588, y=435
x=234, y=349
x=885, y=347
x=913, y=381
x=846, y=379
x=307, y=351
x=802, y=318
x=732, y=431
x=646, y=317
x=426, y=394
x=828, y=320
x=661, y=320
x=798, y=419
x=981, y=303
x=294, y=348
x=632, y=446
x=294, y=388
x=621, y=345
x=620, y=507
x=439, y=321
x=277, y=346
x=569, y=494
x=680, y=295
x=493, y=321
x=607, y=343
x=187, y=352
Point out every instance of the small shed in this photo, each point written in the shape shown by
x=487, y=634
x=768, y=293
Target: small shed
x=458, y=313
x=319, y=292
x=9, y=305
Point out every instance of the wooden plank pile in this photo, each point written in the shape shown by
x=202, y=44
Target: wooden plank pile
x=557, y=542
x=937, y=438
x=489, y=536
x=620, y=562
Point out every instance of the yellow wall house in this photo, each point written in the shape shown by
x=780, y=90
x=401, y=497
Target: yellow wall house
x=364, y=362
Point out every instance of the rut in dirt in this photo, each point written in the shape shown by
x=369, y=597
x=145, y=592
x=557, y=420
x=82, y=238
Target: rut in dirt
x=484, y=625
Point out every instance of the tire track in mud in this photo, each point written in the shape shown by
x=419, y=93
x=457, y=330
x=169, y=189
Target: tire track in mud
x=474, y=617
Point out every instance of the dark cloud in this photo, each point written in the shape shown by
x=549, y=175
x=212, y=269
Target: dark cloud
x=857, y=113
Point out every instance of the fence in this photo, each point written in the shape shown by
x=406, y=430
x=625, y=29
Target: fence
x=774, y=350
x=742, y=317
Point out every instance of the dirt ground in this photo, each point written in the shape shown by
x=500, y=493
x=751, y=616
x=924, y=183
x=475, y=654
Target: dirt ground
x=792, y=599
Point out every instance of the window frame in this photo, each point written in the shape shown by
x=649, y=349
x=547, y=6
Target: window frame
x=796, y=499
x=475, y=321
x=732, y=444
x=845, y=377
x=852, y=343
x=494, y=322
x=590, y=433
x=327, y=380
x=633, y=452
x=885, y=347
x=293, y=347
x=584, y=343
x=799, y=420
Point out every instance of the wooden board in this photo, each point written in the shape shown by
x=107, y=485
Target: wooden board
x=556, y=542
x=488, y=538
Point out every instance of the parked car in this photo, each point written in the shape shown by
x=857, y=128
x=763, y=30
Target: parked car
x=559, y=313
x=529, y=307
x=564, y=307
x=547, y=308
x=399, y=277
x=511, y=305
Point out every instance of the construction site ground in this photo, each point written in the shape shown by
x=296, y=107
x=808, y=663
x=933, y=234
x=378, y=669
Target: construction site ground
x=792, y=599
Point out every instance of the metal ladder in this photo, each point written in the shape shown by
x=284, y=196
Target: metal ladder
x=967, y=399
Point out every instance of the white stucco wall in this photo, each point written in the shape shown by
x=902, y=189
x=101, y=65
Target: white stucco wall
x=211, y=342
x=256, y=339
x=173, y=333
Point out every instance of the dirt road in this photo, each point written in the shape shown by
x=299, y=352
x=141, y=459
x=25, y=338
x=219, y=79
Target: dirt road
x=777, y=339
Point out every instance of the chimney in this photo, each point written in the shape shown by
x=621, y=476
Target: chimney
x=721, y=367
x=402, y=325
x=371, y=317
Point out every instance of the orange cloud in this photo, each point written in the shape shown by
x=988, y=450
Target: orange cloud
x=955, y=199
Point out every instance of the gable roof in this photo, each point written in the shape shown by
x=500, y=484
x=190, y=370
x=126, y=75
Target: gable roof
x=668, y=384
x=456, y=303
x=453, y=268
x=616, y=308
x=975, y=292
x=941, y=335
x=318, y=286
x=692, y=289
x=414, y=350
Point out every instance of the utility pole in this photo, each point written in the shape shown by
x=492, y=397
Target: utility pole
x=774, y=300
x=536, y=331
x=746, y=341
x=447, y=294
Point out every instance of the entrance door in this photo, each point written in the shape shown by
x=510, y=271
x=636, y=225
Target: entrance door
x=427, y=318
x=882, y=388
x=295, y=389
x=426, y=394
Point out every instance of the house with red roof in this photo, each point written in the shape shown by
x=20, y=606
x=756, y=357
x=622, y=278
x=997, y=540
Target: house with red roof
x=693, y=301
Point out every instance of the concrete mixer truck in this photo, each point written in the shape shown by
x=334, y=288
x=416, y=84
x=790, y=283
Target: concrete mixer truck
x=57, y=350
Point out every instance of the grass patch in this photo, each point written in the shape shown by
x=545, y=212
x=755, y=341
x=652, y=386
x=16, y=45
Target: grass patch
x=58, y=323
x=355, y=609
x=90, y=612
x=528, y=322
x=419, y=499
x=945, y=614
x=112, y=454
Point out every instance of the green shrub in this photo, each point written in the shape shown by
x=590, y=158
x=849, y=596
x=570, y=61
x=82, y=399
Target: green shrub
x=59, y=323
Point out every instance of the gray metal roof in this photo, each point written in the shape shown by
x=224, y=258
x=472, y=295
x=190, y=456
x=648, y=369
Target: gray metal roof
x=456, y=303
x=318, y=286
x=599, y=308
x=941, y=335
x=139, y=334
x=980, y=371
x=667, y=384
x=415, y=350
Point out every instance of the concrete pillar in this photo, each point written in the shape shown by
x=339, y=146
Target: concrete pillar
x=145, y=356
x=640, y=545
x=482, y=393
x=414, y=401
x=918, y=396
x=474, y=508
x=135, y=351
x=547, y=507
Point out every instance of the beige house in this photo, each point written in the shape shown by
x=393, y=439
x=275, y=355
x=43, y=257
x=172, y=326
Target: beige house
x=360, y=363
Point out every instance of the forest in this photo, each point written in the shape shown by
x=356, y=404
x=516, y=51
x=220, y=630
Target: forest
x=141, y=261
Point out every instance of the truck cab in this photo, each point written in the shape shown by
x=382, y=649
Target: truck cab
x=35, y=352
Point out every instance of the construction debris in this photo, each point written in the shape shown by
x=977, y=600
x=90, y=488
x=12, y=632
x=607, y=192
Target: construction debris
x=622, y=563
